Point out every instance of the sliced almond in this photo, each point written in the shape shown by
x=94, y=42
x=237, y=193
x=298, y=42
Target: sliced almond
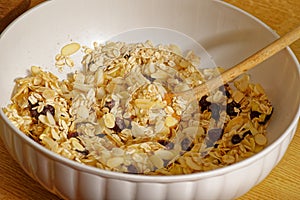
x=170, y=121
x=70, y=49
x=144, y=103
x=109, y=120
x=260, y=139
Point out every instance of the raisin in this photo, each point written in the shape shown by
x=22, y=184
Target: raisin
x=84, y=152
x=236, y=139
x=247, y=133
x=34, y=114
x=48, y=108
x=204, y=104
x=72, y=134
x=267, y=118
x=126, y=56
x=230, y=108
x=254, y=114
x=227, y=93
x=32, y=105
x=215, y=111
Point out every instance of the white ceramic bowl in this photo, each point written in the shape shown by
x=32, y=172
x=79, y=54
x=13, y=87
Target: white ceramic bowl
x=227, y=33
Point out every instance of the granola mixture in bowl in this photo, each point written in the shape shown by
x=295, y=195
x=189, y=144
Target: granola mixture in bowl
x=120, y=113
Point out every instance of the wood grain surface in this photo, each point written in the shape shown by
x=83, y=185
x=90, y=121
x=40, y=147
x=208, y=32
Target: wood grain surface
x=10, y=9
x=282, y=183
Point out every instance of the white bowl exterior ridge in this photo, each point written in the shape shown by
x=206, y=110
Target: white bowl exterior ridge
x=71, y=183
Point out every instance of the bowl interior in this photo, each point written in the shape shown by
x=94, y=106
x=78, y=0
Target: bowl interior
x=227, y=34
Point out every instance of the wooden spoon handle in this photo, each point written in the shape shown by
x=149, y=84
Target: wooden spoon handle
x=245, y=65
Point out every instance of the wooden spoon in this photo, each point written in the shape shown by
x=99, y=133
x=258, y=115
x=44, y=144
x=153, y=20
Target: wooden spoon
x=242, y=67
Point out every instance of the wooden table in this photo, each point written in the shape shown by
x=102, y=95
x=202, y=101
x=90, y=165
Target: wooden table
x=284, y=180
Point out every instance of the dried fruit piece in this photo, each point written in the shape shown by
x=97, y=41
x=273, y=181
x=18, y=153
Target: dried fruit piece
x=203, y=103
x=232, y=107
x=236, y=139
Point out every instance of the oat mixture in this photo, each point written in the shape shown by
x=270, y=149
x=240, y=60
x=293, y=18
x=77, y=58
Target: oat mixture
x=120, y=112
